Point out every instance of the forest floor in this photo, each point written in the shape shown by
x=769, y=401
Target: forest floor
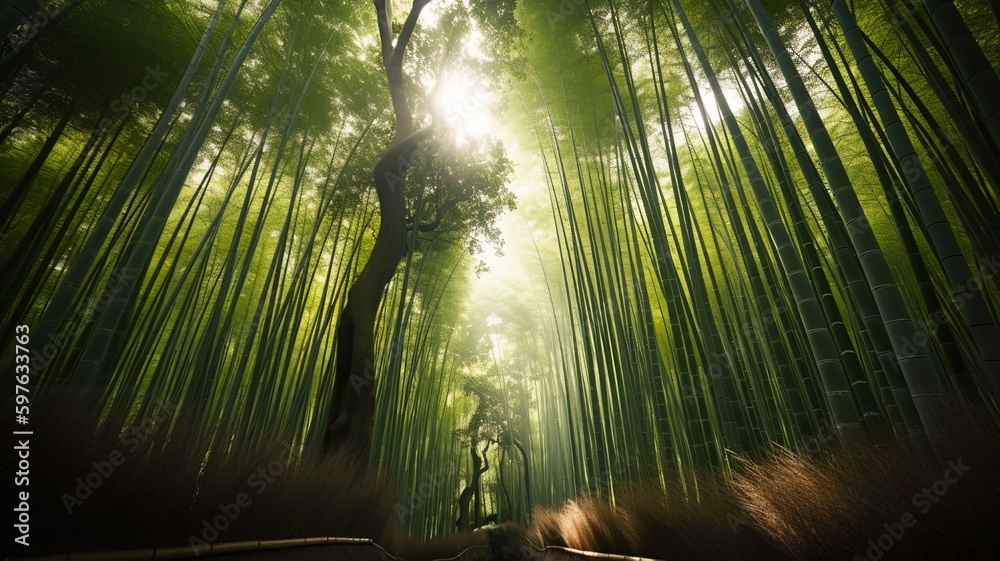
x=876, y=502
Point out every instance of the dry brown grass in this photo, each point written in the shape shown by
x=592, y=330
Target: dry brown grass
x=823, y=506
x=163, y=498
x=781, y=506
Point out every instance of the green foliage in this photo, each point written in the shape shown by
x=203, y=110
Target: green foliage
x=462, y=192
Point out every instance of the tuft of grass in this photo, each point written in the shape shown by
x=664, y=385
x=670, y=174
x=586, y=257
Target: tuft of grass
x=652, y=522
x=861, y=502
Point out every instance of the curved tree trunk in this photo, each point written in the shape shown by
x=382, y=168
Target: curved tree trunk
x=479, y=466
x=352, y=406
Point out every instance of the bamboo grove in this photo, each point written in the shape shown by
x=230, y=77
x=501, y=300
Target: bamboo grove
x=739, y=225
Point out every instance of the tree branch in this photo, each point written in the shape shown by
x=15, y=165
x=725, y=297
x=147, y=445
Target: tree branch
x=384, y=31
x=392, y=59
x=432, y=225
x=407, y=32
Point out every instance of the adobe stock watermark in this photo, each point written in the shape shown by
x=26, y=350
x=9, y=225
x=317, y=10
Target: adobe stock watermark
x=367, y=377
x=29, y=28
x=903, y=10
x=617, y=470
x=42, y=354
x=923, y=502
x=458, y=111
x=718, y=26
x=421, y=493
x=103, y=469
x=421, y=154
x=242, y=330
x=125, y=103
x=948, y=138
x=564, y=9
x=925, y=330
x=913, y=169
x=212, y=529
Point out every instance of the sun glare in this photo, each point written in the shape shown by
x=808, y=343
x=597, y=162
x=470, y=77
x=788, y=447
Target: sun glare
x=463, y=106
